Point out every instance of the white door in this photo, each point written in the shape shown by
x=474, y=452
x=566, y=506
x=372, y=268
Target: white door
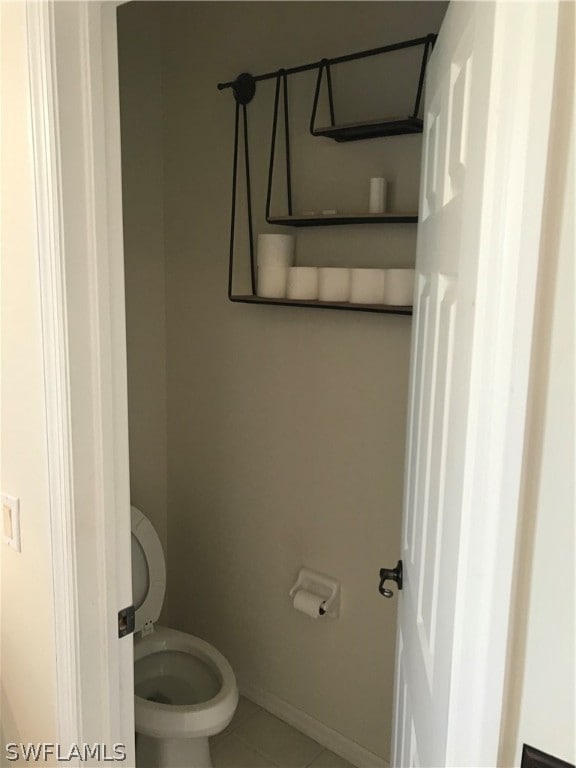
x=487, y=112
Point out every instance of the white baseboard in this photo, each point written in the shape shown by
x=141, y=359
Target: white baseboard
x=329, y=738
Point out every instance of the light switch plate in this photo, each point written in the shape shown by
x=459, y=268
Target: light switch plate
x=11, y=521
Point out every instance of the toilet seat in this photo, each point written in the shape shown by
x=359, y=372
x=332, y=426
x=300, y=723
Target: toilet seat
x=154, y=718
x=148, y=572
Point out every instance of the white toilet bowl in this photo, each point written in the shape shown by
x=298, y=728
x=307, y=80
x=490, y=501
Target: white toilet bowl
x=184, y=689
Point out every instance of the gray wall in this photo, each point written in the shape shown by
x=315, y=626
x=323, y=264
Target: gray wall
x=140, y=64
x=285, y=426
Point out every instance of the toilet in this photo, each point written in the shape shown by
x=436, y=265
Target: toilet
x=184, y=689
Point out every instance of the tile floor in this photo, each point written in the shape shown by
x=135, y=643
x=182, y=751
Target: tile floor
x=257, y=739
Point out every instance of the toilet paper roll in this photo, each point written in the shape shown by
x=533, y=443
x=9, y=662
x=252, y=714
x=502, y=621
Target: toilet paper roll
x=272, y=282
x=367, y=286
x=399, y=287
x=377, y=202
x=333, y=284
x=276, y=250
x=302, y=283
x=309, y=603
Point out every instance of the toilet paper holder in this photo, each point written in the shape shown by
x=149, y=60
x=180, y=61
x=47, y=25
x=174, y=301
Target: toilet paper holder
x=321, y=585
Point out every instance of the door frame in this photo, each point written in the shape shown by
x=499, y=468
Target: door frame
x=76, y=124
x=75, y=127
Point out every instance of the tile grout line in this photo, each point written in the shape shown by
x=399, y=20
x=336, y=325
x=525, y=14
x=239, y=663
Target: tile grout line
x=247, y=743
x=258, y=751
x=243, y=722
x=238, y=724
x=317, y=756
x=267, y=757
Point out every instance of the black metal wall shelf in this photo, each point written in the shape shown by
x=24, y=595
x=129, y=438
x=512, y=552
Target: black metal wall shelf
x=244, y=89
x=386, y=309
x=372, y=129
x=343, y=219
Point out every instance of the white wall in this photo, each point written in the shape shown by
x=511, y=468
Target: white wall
x=542, y=672
x=140, y=63
x=28, y=705
x=285, y=427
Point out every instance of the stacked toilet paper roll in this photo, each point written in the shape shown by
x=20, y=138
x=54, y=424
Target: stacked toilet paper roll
x=303, y=283
x=367, y=286
x=275, y=256
x=278, y=278
x=399, y=287
x=333, y=284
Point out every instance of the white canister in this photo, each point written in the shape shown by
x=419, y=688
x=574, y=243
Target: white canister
x=367, y=286
x=272, y=282
x=333, y=284
x=377, y=200
x=399, y=287
x=275, y=250
x=303, y=283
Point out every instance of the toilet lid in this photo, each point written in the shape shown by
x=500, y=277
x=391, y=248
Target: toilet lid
x=148, y=571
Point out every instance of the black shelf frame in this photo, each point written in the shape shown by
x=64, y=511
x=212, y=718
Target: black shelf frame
x=329, y=220
x=244, y=89
x=371, y=129
x=388, y=309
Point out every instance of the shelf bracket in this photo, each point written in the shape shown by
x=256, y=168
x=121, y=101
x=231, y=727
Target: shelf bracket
x=240, y=104
x=324, y=65
x=281, y=79
x=244, y=88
